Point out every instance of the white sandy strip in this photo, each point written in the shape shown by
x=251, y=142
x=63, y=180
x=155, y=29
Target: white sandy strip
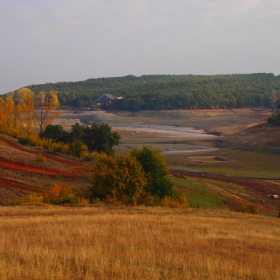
x=172, y=131
x=175, y=151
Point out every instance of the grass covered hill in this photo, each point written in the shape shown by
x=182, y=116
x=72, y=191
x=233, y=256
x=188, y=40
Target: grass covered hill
x=170, y=91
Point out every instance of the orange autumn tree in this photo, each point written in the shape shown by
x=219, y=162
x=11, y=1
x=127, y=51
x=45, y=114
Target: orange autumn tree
x=7, y=117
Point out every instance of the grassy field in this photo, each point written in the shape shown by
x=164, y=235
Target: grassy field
x=199, y=195
x=239, y=163
x=136, y=243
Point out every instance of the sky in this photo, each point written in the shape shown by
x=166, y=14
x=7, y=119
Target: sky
x=48, y=41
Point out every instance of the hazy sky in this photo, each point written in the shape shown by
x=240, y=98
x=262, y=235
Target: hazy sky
x=72, y=40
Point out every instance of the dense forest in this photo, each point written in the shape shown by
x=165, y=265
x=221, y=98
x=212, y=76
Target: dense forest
x=158, y=92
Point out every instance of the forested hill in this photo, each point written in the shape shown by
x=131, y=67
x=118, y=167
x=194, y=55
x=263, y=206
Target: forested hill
x=171, y=91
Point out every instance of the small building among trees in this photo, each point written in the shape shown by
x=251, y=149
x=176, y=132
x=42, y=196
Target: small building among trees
x=105, y=99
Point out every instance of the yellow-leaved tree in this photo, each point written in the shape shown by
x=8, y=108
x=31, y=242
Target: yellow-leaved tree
x=45, y=105
x=7, y=117
x=25, y=110
x=33, y=111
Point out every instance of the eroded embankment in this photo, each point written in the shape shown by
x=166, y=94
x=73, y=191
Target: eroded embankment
x=12, y=170
x=14, y=165
x=77, y=168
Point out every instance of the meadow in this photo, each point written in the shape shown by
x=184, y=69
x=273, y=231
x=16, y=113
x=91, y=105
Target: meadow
x=48, y=242
x=205, y=241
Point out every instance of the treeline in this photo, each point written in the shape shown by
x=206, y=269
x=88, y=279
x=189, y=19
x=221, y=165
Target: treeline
x=158, y=92
x=81, y=138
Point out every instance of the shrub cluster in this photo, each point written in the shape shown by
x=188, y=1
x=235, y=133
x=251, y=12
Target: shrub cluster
x=239, y=207
x=82, y=140
x=56, y=195
x=275, y=118
x=139, y=178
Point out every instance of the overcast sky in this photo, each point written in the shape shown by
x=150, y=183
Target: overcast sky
x=72, y=40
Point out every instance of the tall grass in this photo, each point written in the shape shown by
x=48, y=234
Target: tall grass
x=136, y=243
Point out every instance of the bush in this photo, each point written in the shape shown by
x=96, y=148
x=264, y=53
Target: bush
x=40, y=158
x=122, y=180
x=60, y=195
x=275, y=119
x=117, y=177
x=31, y=198
x=24, y=140
x=79, y=149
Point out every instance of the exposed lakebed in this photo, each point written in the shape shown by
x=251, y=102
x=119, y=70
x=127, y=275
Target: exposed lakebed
x=163, y=133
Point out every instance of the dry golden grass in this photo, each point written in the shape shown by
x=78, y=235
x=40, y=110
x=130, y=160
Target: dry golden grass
x=50, y=242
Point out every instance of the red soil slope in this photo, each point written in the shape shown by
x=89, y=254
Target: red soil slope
x=18, y=177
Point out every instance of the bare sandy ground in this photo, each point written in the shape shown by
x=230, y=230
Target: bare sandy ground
x=164, y=129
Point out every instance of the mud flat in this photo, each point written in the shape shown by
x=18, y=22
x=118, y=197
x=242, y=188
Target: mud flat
x=166, y=130
x=170, y=139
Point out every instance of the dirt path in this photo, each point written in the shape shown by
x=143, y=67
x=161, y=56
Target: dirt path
x=242, y=200
x=261, y=186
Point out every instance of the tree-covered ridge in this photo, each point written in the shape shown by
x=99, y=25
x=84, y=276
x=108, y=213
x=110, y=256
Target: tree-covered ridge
x=170, y=91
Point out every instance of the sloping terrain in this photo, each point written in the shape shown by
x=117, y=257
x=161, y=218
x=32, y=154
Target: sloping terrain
x=250, y=146
x=21, y=173
x=260, y=137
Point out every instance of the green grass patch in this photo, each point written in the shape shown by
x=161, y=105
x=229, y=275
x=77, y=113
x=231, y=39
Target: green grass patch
x=198, y=194
x=263, y=170
x=241, y=164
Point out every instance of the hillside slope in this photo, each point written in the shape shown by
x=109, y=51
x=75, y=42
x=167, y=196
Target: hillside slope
x=21, y=173
x=261, y=137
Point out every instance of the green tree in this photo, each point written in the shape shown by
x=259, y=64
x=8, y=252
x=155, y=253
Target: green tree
x=155, y=168
x=77, y=132
x=56, y=133
x=100, y=138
